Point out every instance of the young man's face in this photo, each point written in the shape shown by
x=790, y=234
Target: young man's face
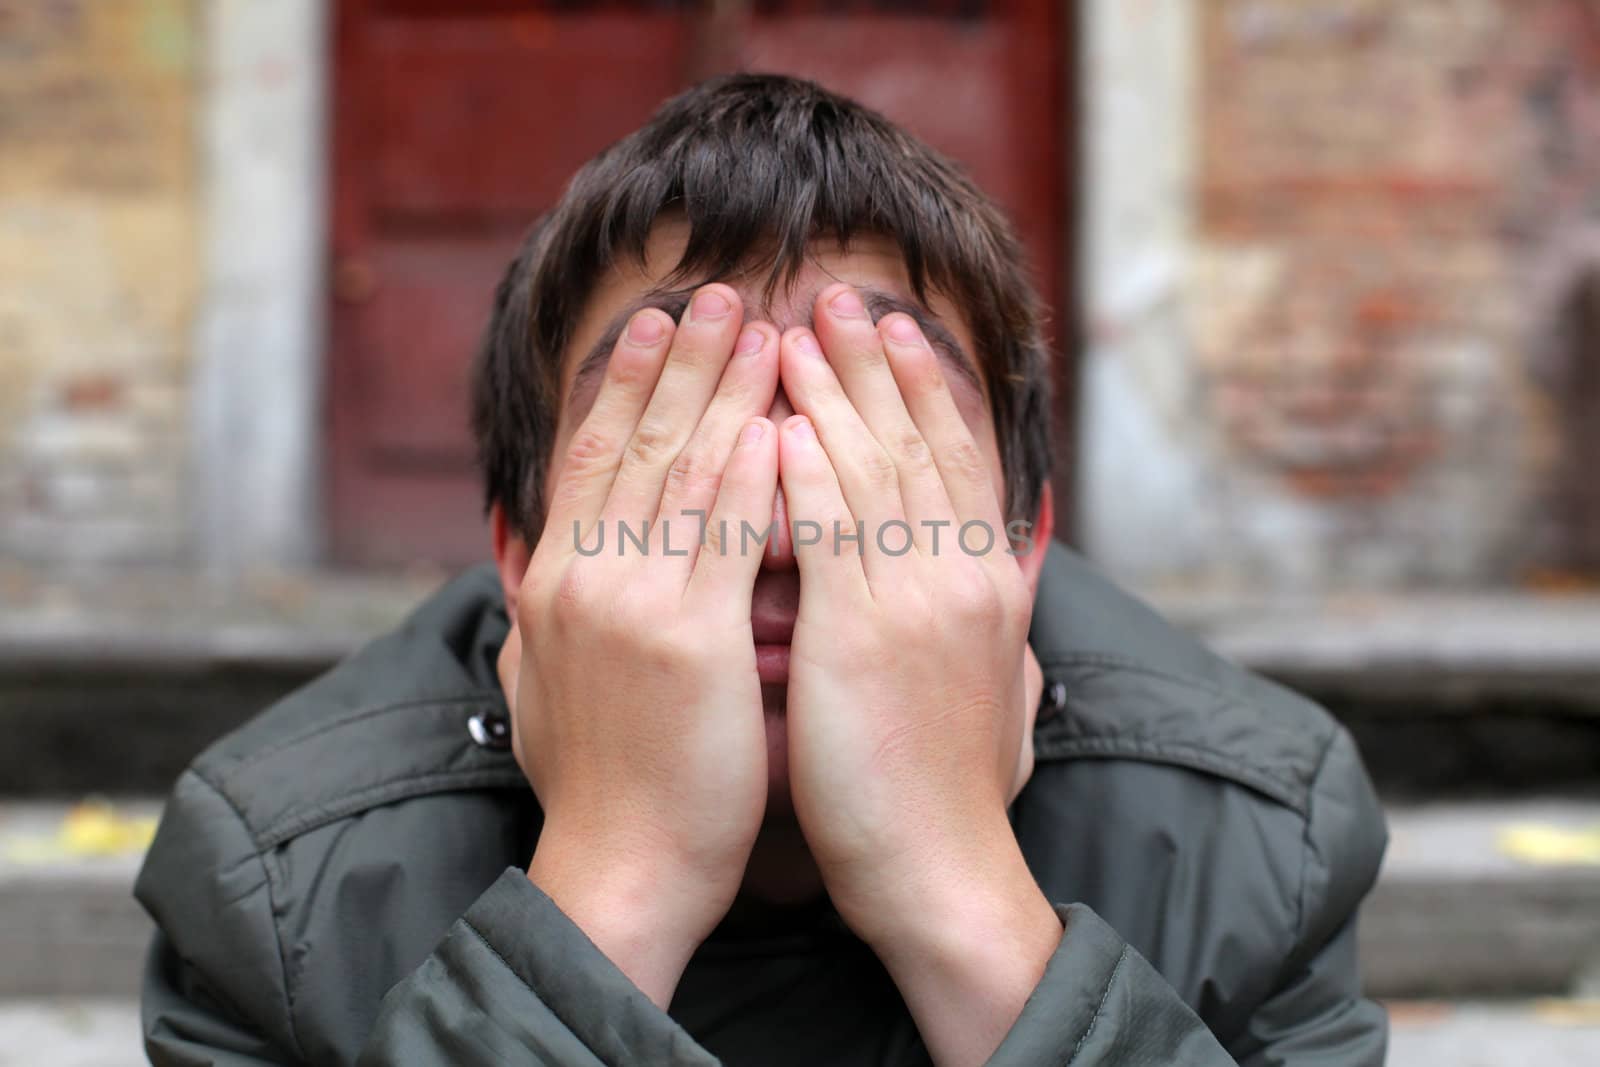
x=875, y=268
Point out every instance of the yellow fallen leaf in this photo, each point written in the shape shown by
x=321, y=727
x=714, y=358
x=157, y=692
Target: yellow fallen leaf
x=1568, y=1012
x=92, y=829
x=1551, y=846
x=98, y=829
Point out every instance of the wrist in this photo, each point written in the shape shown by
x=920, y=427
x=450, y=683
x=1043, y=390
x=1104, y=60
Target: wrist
x=967, y=958
x=644, y=919
x=996, y=911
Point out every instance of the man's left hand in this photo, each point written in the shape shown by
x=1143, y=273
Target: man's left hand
x=909, y=684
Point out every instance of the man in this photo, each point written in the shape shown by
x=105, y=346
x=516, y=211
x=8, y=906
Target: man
x=761, y=411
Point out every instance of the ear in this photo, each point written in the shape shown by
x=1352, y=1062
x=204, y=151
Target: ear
x=511, y=556
x=1043, y=530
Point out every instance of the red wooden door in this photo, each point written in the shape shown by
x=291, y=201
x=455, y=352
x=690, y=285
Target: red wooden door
x=456, y=122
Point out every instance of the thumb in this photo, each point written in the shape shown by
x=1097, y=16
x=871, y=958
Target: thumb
x=509, y=665
x=1032, y=691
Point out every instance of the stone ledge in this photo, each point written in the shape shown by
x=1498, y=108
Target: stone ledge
x=1453, y=650
x=1453, y=914
x=1471, y=645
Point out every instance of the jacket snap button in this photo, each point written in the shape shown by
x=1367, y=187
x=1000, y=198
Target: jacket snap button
x=1054, y=699
x=489, y=730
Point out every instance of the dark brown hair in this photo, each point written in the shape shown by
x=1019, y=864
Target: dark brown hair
x=759, y=166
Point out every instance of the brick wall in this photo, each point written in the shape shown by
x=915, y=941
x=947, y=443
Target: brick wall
x=98, y=210
x=1386, y=195
x=1379, y=349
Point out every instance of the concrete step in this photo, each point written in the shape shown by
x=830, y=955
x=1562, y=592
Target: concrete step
x=71, y=1032
x=111, y=681
x=124, y=719
x=1487, y=899
x=68, y=1032
x=1461, y=910
x=1550, y=1033
x=69, y=925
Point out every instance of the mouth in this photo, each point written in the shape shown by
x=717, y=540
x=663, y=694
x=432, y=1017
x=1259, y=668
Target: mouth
x=772, y=635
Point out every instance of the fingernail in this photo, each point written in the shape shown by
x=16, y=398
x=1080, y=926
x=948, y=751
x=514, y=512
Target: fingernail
x=710, y=304
x=644, y=329
x=753, y=432
x=806, y=344
x=750, y=342
x=801, y=427
x=847, y=305
x=903, y=331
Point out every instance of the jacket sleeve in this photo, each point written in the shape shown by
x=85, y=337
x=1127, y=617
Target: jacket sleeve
x=1317, y=1013
x=1101, y=1003
x=513, y=981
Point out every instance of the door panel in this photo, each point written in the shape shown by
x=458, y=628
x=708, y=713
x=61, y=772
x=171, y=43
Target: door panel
x=456, y=122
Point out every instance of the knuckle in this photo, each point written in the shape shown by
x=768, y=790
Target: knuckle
x=976, y=600
x=913, y=450
x=879, y=470
x=665, y=647
x=966, y=461
x=589, y=446
x=692, y=475
x=650, y=445
x=570, y=598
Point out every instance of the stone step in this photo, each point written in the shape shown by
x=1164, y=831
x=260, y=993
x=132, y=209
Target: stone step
x=69, y=925
x=1458, y=912
x=71, y=1032
x=111, y=714
x=1550, y=1033
x=1487, y=899
x=111, y=681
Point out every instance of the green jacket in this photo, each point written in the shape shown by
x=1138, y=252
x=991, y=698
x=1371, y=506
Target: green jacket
x=337, y=881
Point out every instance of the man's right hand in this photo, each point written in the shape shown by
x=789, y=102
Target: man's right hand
x=637, y=710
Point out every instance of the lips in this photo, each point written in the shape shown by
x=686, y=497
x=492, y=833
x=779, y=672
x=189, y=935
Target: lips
x=772, y=635
x=773, y=606
x=772, y=629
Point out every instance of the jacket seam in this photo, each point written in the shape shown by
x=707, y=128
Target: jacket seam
x=479, y=934
x=352, y=718
x=1308, y=847
x=532, y=989
x=1108, y=659
x=272, y=908
x=1290, y=794
x=1101, y=1007
x=387, y=792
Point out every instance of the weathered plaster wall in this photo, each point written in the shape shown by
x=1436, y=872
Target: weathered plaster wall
x=98, y=265
x=259, y=332
x=1344, y=364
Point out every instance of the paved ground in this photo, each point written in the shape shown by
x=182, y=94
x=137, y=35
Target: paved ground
x=70, y=1033
x=1547, y=1033
x=1552, y=1034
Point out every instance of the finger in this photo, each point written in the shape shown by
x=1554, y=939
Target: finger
x=700, y=351
x=695, y=478
x=828, y=575
x=509, y=664
x=590, y=464
x=866, y=475
x=962, y=467
x=738, y=528
x=1032, y=690
x=855, y=354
